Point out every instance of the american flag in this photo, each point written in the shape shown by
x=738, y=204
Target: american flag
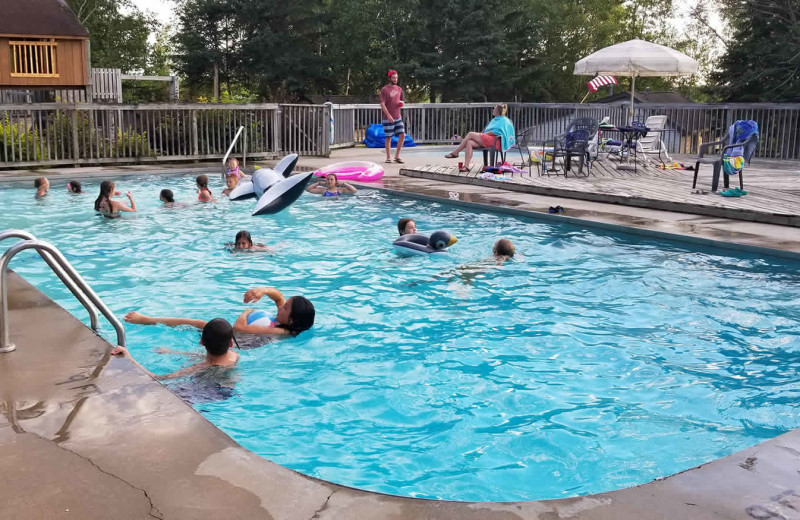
x=599, y=81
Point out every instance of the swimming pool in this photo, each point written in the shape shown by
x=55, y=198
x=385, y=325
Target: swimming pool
x=592, y=362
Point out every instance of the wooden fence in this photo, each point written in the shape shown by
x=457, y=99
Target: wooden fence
x=80, y=134
x=687, y=127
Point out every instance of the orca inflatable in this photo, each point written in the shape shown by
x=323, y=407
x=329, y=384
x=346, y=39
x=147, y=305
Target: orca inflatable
x=274, y=188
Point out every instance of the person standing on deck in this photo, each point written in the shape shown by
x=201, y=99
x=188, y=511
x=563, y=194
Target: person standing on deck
x=392, y=100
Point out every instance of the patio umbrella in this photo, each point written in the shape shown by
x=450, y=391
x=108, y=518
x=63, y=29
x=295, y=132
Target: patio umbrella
x=636, y=58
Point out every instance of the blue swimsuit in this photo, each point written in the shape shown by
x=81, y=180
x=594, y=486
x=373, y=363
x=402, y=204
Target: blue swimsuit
x=330, y=193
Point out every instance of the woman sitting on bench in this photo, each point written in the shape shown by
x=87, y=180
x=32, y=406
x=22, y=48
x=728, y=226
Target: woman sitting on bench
x=500, y=126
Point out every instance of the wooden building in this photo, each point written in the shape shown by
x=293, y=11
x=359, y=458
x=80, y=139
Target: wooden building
x=43, y=46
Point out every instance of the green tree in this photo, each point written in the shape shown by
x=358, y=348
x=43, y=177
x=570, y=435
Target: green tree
x=762, y=60
x=118, y=32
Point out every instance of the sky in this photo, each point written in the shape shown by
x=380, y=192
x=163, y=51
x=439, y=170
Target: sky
x=161, y=8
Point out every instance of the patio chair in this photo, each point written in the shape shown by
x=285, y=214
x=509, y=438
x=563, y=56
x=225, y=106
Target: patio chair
x=742, y=138
x=576, y=143
x=653, y=142
x=527, y=153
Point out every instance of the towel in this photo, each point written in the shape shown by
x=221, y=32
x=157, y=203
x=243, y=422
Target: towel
x=503, y=127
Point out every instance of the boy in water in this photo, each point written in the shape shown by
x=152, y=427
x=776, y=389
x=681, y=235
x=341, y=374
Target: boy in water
x=503, y=250
x=217, y=338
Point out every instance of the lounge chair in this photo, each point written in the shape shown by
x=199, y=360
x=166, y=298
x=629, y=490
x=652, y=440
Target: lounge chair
x=741, y=138
x=653, y=142
x=578, y=142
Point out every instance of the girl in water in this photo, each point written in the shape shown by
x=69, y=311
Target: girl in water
x=231, y=181
x=111, y=208
x=204, y=193
x=294, y=315
x=233, y=169
x=330, y=187
x=406, y=226
x=244, y=242
x=74, y=187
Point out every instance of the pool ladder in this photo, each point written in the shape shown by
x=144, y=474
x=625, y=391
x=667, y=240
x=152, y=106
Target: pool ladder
x=65, y=272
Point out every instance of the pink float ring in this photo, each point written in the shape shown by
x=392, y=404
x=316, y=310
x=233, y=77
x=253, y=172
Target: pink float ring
x=362, y=171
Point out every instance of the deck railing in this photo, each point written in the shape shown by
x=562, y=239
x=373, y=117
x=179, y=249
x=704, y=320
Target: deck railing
x=687, y=127
x=81, y=134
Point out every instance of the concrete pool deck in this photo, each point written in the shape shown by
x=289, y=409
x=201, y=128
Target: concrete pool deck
x=85, y=436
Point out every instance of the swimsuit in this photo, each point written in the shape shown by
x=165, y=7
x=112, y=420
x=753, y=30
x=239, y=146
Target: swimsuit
x=200, y=195
x=330, y=193
x=236, y=171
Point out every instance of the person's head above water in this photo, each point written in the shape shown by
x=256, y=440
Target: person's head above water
x=243, y=240
x=74, y=187
x=231, y=181
x=406, y=226
x=106, y=190
x=202, y=182
x=296, y=315
x=166, y=196
x=331, y=180
x=41, y=183
x=233, y=163
x=503, y=248
x=217, y=337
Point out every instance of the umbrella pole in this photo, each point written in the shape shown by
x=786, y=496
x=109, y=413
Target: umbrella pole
x=633, y=90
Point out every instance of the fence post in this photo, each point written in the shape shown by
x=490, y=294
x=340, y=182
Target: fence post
x=75, y=147
x=277, y=130
x=195, y=141
x=326, y=130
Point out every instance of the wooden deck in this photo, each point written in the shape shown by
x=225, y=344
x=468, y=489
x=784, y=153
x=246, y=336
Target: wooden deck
x=773, y=188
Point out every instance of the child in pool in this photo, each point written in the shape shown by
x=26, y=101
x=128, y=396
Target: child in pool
x=42, y=186
x=231, y=181
x=503, y=250
x=112, y=208
x=330, y=187
x=204, y=193
x=294, y=315
x=233, y=169
x=74, y=187
x=167, y=197
x=244, y=242
x=406, y=226
x=217, y=338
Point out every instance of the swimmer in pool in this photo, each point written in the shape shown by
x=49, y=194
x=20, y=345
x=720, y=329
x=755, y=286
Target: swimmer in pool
x=111, y=208
x=75, y=187
x=231, y=181
x=233, y=169
x=244, y=242
x=406, y=226
x=42, y=186
x=294, y=315
x=204, y=194
x=503, y=250
x=217, y=338
x=330, y=187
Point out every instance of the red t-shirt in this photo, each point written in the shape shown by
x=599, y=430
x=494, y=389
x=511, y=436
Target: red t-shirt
x=391, y=95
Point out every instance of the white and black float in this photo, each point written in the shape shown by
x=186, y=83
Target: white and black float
x=275, y=188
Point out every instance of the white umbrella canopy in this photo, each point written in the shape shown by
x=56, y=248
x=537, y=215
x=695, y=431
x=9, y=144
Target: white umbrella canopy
x=636, y=58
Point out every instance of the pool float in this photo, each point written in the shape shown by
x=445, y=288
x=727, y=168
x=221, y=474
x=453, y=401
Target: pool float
x=363, y=171
x=415, y=244
x=275, y=188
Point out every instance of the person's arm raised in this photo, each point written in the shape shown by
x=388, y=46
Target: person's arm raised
x=256, y=293
x=141, y=319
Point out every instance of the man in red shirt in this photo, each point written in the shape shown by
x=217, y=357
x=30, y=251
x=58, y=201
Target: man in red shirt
x=392, y=99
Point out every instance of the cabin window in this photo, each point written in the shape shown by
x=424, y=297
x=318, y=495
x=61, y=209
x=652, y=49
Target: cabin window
x=34, y=59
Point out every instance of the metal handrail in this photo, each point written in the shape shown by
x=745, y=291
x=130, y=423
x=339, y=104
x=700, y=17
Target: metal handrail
x=63, y=263
x=65, y=279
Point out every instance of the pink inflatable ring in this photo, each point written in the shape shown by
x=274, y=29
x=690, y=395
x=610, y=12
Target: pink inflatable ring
x=363, y=171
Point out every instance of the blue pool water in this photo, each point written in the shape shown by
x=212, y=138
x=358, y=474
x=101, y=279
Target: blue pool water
x=593, y=361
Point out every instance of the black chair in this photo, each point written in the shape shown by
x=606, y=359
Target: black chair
x=573, y=143
x=749, y=146
x=524, y=145
x=490, y=154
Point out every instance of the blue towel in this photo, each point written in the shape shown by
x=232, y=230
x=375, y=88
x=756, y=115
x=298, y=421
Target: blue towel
x=503, y=127
x=740, y=131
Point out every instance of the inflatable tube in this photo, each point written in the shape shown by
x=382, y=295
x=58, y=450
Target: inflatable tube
x=363, y=171
x=260, y=319
x=281, y=194
x=264, y=178
x=287, y=164
x=437, y=243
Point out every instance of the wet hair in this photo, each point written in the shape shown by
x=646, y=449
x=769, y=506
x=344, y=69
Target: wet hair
x=503, y=247
x=106, y=187
x=301, y=317
x=202, y=181
x=216, y=337
x=503, y=109
x=245, y=235
x=401, y=225
x=75, y=186
x=37, y=183
x=336, y=177
x=167, y=195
